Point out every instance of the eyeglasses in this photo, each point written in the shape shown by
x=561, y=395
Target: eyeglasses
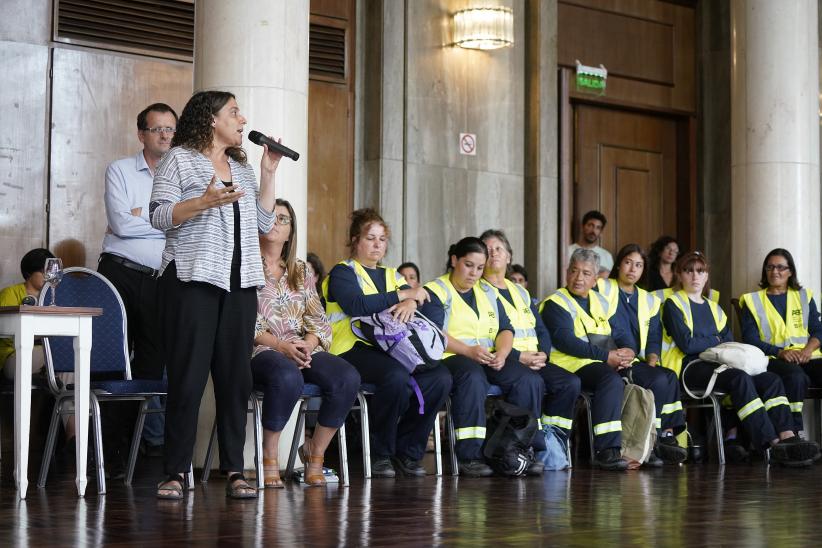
x=160, y=129
x=777, y=267
x=283, y=220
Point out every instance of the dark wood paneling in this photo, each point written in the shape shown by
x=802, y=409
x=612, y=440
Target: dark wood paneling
x=647, y=46
x=626, y=167
x=593, y=35
x=330, y=139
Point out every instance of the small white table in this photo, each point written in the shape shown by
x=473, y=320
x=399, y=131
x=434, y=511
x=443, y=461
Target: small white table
x=24, y=323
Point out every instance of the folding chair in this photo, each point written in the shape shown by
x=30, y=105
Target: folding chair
x=109, y=355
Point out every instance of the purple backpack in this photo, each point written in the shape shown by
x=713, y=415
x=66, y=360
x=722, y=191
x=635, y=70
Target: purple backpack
x=418, y=345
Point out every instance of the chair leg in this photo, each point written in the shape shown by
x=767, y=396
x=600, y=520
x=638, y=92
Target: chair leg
x=720, y=447
x=98, y=444
x=190, y=477
x=437, y=445
x=344, y=479
x=366, y=435
x=452, y=438
x=295, y=440
x=258, y=440
x=209, y=458
x=590, y=427
x=135, y=441
x=48, y=452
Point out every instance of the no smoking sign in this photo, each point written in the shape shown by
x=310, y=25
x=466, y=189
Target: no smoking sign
x=468, y=144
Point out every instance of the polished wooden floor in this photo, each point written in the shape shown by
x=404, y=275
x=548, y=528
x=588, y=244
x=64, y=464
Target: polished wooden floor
x=691, y=505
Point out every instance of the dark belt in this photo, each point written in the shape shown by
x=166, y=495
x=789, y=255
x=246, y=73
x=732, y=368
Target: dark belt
x=131, y=265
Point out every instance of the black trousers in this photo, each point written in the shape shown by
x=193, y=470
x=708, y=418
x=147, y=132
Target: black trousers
x=606, y=404
x=814, y=371
x=521, y=387
x=665, y=386
x=759, y=401
x=139, y=294
x=206, y=329
x=796, y=382
x=397, y=427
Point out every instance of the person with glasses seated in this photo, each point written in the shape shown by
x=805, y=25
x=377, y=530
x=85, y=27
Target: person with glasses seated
x=131, y=255
x=693, y=323
x=782, y=320
x=292, y=342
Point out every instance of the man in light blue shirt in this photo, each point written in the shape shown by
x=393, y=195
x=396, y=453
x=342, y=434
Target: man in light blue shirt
x=132, y=248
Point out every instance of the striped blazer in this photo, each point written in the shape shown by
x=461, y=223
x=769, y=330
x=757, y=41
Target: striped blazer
x=202, y=246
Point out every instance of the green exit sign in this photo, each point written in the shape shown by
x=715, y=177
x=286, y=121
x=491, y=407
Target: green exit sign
x=591, y=79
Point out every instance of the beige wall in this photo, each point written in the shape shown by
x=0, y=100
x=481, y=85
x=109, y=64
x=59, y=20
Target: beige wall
x=418, y=94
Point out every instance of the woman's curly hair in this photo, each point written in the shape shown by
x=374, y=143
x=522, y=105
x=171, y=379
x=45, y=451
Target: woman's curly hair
x=194, y=129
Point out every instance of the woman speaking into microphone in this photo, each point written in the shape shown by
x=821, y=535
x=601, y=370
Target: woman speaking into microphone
x=205, y=198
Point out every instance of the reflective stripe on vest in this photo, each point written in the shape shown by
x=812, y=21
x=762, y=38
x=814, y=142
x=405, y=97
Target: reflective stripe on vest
x=671, y=354
x=520, y=314
x=776, y=330
x=470, y=328
x=342, y=338
x=595, y=323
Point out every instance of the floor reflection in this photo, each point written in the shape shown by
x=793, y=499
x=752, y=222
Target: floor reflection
x=675, y=506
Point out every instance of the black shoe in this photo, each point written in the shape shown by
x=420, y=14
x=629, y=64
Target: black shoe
x=409, y=467
x=669, y=451
x=653, y=461
x=735, y=452
x=475, y=469
x=536, y=469
x=610, y=459
x=780, y=454
x=149, y=450
x=381, y=468
x=799, y=449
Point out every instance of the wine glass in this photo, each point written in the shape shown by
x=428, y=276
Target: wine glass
x=53, y=272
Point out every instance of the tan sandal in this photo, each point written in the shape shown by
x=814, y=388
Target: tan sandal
x=171, y=488
x=312, y=480
x=271, y=469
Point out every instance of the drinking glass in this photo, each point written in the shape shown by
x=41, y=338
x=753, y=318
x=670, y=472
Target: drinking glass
x=53, y=273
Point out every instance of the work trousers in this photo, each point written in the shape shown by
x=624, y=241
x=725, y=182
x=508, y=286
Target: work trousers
x=397, y=426
x=521, y=387
x=665, y=386
x=606, y=405
x=561, y=393
x=759, y=401
x=796, y=382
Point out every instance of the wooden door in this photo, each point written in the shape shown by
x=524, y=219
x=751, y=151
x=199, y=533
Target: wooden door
x=626, y=167
x=330, y=128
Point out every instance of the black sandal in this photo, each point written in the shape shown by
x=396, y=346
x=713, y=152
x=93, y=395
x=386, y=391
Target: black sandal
x=172, y=492
x=238, y=488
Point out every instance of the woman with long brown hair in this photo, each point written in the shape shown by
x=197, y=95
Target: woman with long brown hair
x=293, y=336
x=205, y=198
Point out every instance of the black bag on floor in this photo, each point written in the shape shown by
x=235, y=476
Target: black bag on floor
x=509, y=433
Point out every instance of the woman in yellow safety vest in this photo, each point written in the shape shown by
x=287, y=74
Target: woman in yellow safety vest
x=782, y=320
x=694, y=324
x=634, y=313
x=532, y=342
x=480, y=340
x=361, y=286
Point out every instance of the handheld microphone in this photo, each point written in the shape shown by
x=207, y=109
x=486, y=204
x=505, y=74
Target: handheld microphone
x=259, y=139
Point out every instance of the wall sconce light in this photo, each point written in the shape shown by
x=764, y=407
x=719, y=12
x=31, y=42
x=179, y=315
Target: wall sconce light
x=484, y=28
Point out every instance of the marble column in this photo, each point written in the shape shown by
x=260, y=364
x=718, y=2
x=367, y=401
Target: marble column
x=259, y=52
x=775, y=137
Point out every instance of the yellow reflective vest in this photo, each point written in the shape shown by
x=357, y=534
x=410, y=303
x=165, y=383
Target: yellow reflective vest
x=773, y=329
x=520, y=315
x=648, y=305
x=342, y=338
x=663, y=294
x=671, y=354
x=461, y=322
x=595, y=323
